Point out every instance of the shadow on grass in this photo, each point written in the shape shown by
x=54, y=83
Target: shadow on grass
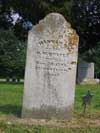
x=11, y=109
x=16, y=83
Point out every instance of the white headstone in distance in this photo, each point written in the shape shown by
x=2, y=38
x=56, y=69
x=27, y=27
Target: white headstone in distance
x=85, y=71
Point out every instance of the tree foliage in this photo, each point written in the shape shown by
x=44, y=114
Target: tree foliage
x=32, y=10
x=86, y=20
x=84, y=15
x=12, y=54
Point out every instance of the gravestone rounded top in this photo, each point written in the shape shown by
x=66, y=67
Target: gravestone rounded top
x=52, y=22
x=54, y=25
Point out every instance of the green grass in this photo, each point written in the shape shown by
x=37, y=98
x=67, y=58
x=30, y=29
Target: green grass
x=11, y=98
x=94, y=108
x=11, y=103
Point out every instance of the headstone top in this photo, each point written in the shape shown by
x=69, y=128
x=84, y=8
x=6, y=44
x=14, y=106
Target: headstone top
x=52, y=21
x=55, y=24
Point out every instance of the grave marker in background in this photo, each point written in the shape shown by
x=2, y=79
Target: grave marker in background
x=50, y=74
x=85, y=73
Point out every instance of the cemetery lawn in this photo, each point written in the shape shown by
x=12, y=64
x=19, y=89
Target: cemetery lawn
x=10, y=111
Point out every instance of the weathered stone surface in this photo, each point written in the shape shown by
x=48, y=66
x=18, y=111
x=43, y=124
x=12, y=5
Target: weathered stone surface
x=50, y=69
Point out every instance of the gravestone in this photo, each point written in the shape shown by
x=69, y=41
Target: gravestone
x=50, y=69
x=85, y=73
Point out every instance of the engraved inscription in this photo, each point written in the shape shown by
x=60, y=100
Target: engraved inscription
x=49, y=58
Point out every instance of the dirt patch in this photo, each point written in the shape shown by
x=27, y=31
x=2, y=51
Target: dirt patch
x=74, y=123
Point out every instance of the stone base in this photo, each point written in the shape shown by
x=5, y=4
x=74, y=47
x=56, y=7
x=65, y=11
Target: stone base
x=48, y=113
x=90, y=81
